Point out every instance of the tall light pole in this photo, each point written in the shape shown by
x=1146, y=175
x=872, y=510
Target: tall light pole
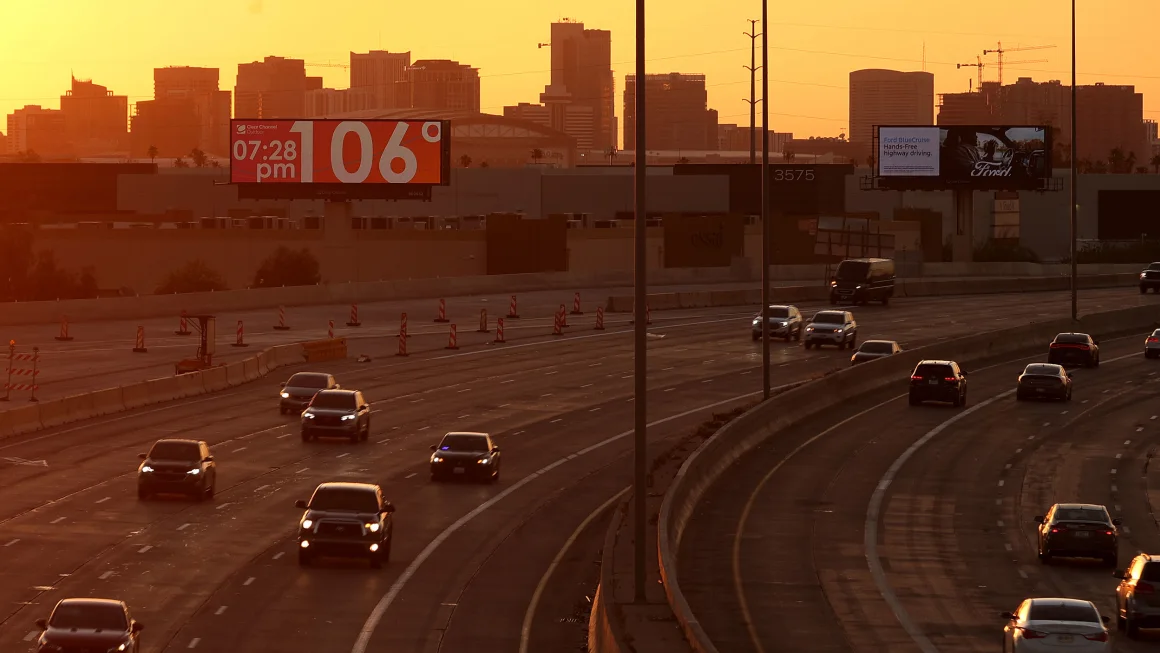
x=640, y=342
x=752, y=68
x=766, y=228
x=1074, y=179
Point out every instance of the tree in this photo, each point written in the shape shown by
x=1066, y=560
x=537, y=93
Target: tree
x=199, y=158
x=1155, y=163
x=15, y=260
x=612, y=152
x=870, y=161
x=180, y=163
x=215, y=164
x=28, y=157
x=1130, y=162
x=537, y=154
x=465, y=161
x=1100, y=168
x=194, y=276
x=787, y=154
x=682, y=161
x=152, y=152
x=286, y=267
x=485, y=164
x=1116, y=160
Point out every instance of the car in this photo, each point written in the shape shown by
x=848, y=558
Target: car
x=300, y=388
x=89, y=625
x=833, y=328
x=1074, y=349
x=337, y=414
x=861, y=280
x=175, y=466
x=937, y=380
x=1078, y=530
x=1043, y=380
x=875, y=349
x=1152, y=345
x=346, y=520
x=1137, y=601
x=784, y=322
x=1055, y=624
x=471, y=455
x=1150, y=278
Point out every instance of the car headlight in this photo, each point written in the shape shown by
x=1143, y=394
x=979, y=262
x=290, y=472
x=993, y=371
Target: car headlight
x=195, y=472
x=833, y=284
x=757, y=320
x=373, y=527
x=482, y=461
x=346, y=417
x=285, y=395
x=123, y=646
x=809, y=328
x=146, y=469
x=308, y=415
x=436, y=459
x=307, y=523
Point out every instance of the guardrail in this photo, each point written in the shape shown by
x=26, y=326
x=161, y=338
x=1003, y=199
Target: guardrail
x=780, y=413
x=50, y=414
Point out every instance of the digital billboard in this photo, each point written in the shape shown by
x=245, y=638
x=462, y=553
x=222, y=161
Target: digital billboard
x=981, y=157
x=340, y=152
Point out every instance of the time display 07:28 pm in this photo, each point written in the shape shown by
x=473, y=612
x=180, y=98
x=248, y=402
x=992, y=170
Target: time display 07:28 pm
x=337, y=152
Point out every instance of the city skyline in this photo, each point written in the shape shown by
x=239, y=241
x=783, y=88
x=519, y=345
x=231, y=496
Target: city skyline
x=810, y=58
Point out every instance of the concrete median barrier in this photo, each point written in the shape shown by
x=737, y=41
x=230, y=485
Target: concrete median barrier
x=25, y=419
x=190, y=385
x=781, y=413
x=65, y=410
x=108, y=402
x=250, y=369
x=164, y=389
x=215, y=379
x=235, y=374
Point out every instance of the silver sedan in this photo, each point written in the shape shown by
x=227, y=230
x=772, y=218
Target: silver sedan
x=1152, y=345
x=1055, y=624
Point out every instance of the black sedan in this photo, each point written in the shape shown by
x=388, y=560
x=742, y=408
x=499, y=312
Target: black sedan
x=89, y=625
x=297, y=392
x=466, y=455
x=1044, y=381
x=1074, y=349
x=1079, y=530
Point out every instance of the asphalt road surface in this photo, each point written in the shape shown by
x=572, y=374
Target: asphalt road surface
x=778, y=557
x=223, y=575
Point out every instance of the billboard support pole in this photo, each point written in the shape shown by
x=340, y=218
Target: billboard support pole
x=1074, y=178
x=766, y=227
x=640, y=335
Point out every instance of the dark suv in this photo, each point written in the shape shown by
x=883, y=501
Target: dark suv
x=1078, y=530
x=1150, y=278
x=938, y=381
x=1138, y=596
x=89, y=625
x=337, y=414
x=346, y=519
x=177, y=467
x=469, y=455
x=297, y=392
x=1074, y=349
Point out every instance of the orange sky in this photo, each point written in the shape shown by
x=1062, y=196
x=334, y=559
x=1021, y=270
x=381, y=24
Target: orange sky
x=813, y=45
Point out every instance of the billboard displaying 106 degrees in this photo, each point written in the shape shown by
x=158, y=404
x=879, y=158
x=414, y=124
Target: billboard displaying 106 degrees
x=965, y=155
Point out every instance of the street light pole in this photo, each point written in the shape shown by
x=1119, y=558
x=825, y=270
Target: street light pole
x=766, y=228
x=752, y=68
x=1074, y=179
x=640, y=342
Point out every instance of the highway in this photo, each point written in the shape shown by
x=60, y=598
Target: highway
x=889, y=527
x=223, y=576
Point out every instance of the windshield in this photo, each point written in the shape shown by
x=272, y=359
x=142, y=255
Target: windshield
x=927, y=371
x=1081, y=514
x=344, y=499
x=1072, y=338
x=777, y=312
x=89, y=616
x=462, y=442
x=333, y=401
x=1062, y=612
x=175, y=451
x=877, y=347
x=1151, y=572
x=829, y=317
x=1042, y=370
x=302, y=380
x=852, y=271
x=1154, y=266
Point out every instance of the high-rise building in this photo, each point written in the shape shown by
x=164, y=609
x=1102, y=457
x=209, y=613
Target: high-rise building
x=678, y=113
x=441, y=84
x=888, y=97
x=273, y=88
x=536, y=113
x=96, y=120
x=380, y=73
x=36, y=129
x=1151, y=135
x=188, y=111
x=582, y=68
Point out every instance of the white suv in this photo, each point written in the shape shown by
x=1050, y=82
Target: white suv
x=832, y=328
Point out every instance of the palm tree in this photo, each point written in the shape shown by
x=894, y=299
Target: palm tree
x=1155, y=163
x=180, y=163
x=612, y=151
x=465, y=161
x=199, y=158
x=682, y=161
x=537, y=154
x=485, y=164
x=152, y=152
x=1116, y=160
x=1130, y=162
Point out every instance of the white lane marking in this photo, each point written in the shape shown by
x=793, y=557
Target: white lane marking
x=517, y=433
x=558, y=419
x=1085, y=401
x=593, y=410
x=464, y=390
x=1119, y=455
x=626, y=376
x=998, y=502
x=183, y=527
x=279, y=554
x=1115, y=489
x=1007, y=546
x=1031, y=437
x=1000, y=523
x=1063, y=412
x=302, y=470
x=12, y=542
x=1127, y=531
x=1153, y=417
x=223, y=505
x=1019, y=450
x=32, y=634
x=220, y=611
x=668, y=368
x=1046, y=424
x=707, y=381
x=1117, y=507
x=384, y=441
x=193, y=642
x=249, y=580
x=1023, y=573
x=380, y=609
x=669, y=389
x=260, y=488
x=870, y=534
x=595, y=364
x=104, y=500
x=105, y=575
x=145, y=549
x=1007, y=466
x=284, y=435
x=747, y=372
x=551, y=373
x=394, y=428
x=1127, y=442
x=586, y=385
x=503, y=405
x=1139, y=428
x=424, y=428
x=239, y=449
x=463, y=417
x=58, y=520
x=411, y=475
x=547, y=395
x=530, y=613
x=508, y=381
x=1113, y=472
x=343, y=455
x=415, y=401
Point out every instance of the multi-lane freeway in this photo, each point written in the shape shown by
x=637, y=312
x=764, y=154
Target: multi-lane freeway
x=883, y=526
x=223, y=576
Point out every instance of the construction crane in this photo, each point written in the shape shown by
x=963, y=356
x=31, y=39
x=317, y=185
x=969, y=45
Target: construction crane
x=328, y=65
x=1001, y=50
x=978, y=64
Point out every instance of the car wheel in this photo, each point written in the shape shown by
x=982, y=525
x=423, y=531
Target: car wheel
x=914, y=400
x=808, y=344
x=798, y=335
x=376, y=561
x=305, y=436
x=1020, y=397
x=212, y=490
x=1068, y=397
x=282, y=410
x=1131, y=627
x=385, y=550
x=304, y=558
x=963, y=399
x=1143, y=290
x=142, y=494
x=853, y=342
x=756, y=337
x=1097, y=363
x=1045, y=557
x=1112, y=561
x=435, y=477
x=1121, y=622
x=356, y=436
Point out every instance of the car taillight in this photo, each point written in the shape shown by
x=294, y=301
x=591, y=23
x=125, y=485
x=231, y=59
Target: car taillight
x=1031, y=634
x=1153, y=339
x=1058, y=529
x=1097, y=637
x=1145, y=588
x=949, y=378
x=915, y=377
x=1109, y=532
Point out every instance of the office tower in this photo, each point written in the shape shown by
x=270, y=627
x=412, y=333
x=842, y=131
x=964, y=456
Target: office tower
x=440, y=84
x=888, y=97
x=582, y=70
x=379, y=74
x=273, y=88
x=678, y=113
x=188, y=111
x=36, y=129
x=96, y=120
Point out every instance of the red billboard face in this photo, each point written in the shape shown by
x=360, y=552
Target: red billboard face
x=338, y=152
